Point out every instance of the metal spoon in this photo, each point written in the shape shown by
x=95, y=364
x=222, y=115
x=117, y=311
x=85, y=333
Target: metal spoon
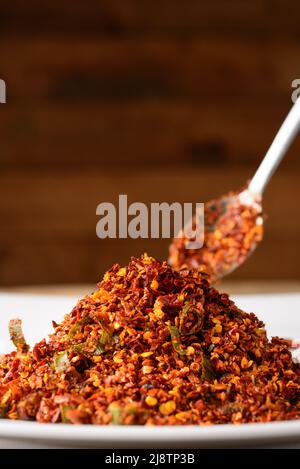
x=234, y=222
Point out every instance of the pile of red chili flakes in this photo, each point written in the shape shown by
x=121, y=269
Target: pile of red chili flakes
x=152, y=346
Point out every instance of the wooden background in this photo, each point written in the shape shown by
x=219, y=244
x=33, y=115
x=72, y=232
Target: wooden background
x=169, y=100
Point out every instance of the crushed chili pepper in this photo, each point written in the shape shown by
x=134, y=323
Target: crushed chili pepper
x=232, y=229
x=152, y=346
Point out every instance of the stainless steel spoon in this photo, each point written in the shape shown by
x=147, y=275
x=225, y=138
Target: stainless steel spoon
x=250, y=197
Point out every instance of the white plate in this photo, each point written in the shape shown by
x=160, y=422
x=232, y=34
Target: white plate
x=281, y=313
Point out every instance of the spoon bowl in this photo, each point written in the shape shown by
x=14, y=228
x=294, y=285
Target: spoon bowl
x=233, y=224
x=233, y=227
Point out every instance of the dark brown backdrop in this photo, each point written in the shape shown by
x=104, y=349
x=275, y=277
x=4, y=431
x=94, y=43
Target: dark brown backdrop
x=169, y=100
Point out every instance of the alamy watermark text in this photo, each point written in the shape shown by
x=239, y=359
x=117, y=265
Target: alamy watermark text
x=162, y=220
x=296, y=87
x=2, y=92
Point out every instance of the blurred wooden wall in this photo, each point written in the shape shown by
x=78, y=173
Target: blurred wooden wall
x=169, y=100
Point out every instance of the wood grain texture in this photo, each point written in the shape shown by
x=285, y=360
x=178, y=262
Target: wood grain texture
x=93, y=69
x=163, y=101
x=238, y=18
x=140, y=134
x=48, y=231
x=103, y=100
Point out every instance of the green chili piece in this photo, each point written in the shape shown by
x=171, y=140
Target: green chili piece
x=17, y=336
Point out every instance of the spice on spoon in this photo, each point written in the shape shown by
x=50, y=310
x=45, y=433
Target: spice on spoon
x=233, y=224
x=232, y=229
x=152, y=346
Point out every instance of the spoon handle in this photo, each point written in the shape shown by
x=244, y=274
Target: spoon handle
x=277, y=150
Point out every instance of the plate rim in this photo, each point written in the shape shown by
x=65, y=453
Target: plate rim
x=204, y=434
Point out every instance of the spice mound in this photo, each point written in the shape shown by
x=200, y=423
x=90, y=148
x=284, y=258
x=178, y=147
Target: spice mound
x=151, y=346
x=232, y=230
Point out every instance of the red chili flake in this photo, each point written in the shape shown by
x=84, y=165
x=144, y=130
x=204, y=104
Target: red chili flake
x=156, y=346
